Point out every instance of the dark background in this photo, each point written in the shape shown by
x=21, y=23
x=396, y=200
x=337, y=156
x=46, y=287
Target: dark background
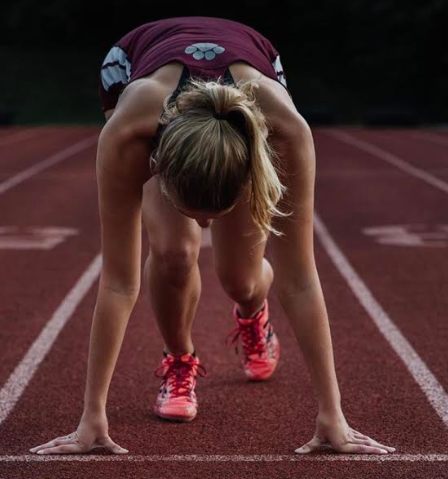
x=345, y=61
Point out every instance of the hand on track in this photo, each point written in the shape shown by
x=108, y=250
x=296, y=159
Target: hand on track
x=332, y=431
x=91, y=433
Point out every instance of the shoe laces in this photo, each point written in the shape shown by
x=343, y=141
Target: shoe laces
x=253, y=341
x=180, y=374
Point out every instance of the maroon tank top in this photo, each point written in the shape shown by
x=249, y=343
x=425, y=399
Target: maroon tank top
x=205, y=45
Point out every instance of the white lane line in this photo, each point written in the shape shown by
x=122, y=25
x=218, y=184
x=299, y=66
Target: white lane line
x=433, y=390
x=206, y=240
x=230, y=458
x=390, y=158
x=23, y=373
x=52, y=160
x=18, y=136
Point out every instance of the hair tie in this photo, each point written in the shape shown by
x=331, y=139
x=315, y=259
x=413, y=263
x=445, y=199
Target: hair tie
x=220, y=116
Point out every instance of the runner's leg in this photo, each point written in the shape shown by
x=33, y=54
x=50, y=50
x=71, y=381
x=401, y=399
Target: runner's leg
x=244, y=273
x=247, y=277
x=171, y=274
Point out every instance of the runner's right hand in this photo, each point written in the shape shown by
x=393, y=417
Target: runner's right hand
x=91, y=433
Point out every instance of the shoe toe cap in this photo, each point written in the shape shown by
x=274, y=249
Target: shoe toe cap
x=261, y=371
x=177, y=408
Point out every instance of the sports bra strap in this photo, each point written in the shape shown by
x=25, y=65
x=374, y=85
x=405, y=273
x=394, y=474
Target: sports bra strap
x=227, y=79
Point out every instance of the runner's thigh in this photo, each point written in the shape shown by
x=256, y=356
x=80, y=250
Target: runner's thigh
x=172, y=235
x=238, y=257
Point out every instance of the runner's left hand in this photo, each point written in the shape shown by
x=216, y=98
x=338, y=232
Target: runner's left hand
x=333, y=431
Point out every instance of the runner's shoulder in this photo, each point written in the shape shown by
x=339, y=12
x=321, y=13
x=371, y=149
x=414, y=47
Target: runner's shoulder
x=138, y=110
x=279, y=108
x=273, y=99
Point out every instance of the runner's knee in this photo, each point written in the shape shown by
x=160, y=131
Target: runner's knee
x=241, y=291
x=175, y=263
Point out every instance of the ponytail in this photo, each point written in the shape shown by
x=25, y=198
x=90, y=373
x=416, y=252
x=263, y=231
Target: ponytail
x=266, y=189
x=214, y=143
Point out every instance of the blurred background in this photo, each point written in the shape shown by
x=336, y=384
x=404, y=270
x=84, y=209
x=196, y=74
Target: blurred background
x=348, y=61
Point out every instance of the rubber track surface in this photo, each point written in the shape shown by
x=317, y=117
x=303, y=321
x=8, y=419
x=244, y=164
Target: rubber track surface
x=354, y=190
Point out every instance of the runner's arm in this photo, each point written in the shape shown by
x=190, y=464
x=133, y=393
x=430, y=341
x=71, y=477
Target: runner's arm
x=122, y=169
x=296, y=282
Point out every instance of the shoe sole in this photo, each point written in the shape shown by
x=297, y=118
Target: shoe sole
x=169, y=417
x=264, y=378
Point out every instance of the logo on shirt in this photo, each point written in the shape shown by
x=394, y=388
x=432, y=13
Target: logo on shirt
x=204, y=50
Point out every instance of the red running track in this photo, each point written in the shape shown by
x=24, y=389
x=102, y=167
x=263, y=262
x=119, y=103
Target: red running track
x=243, y=429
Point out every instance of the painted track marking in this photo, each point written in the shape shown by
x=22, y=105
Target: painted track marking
x=410, y=235
x=433, y=390
x=52, y=160
x=206, y=240
x=228, y=458
x=390, y=158
x=24, y=371
x=25, y=238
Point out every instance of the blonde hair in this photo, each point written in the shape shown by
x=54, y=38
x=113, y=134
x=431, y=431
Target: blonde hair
x=213, y=144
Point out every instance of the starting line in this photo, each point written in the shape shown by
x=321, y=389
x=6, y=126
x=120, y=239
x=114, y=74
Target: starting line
x=230, y=458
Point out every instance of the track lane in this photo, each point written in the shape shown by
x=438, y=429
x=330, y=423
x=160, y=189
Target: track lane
x=413, y=146
x=11, y=131
x=408, y=281
x=235, y=417
x=17, y=136
x=18, y=156
x=33, y=280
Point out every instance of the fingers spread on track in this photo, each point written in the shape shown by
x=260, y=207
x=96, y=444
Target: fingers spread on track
x=63, y=449
x=362, y=449
x=371, y=442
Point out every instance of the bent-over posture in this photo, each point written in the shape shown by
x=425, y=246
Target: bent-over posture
x=202, y=132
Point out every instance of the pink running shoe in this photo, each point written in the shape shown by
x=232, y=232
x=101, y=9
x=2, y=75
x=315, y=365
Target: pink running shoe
x=177, y=399
x=261, y=348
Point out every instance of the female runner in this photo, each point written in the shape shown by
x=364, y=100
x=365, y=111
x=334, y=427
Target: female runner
x=206, y=101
